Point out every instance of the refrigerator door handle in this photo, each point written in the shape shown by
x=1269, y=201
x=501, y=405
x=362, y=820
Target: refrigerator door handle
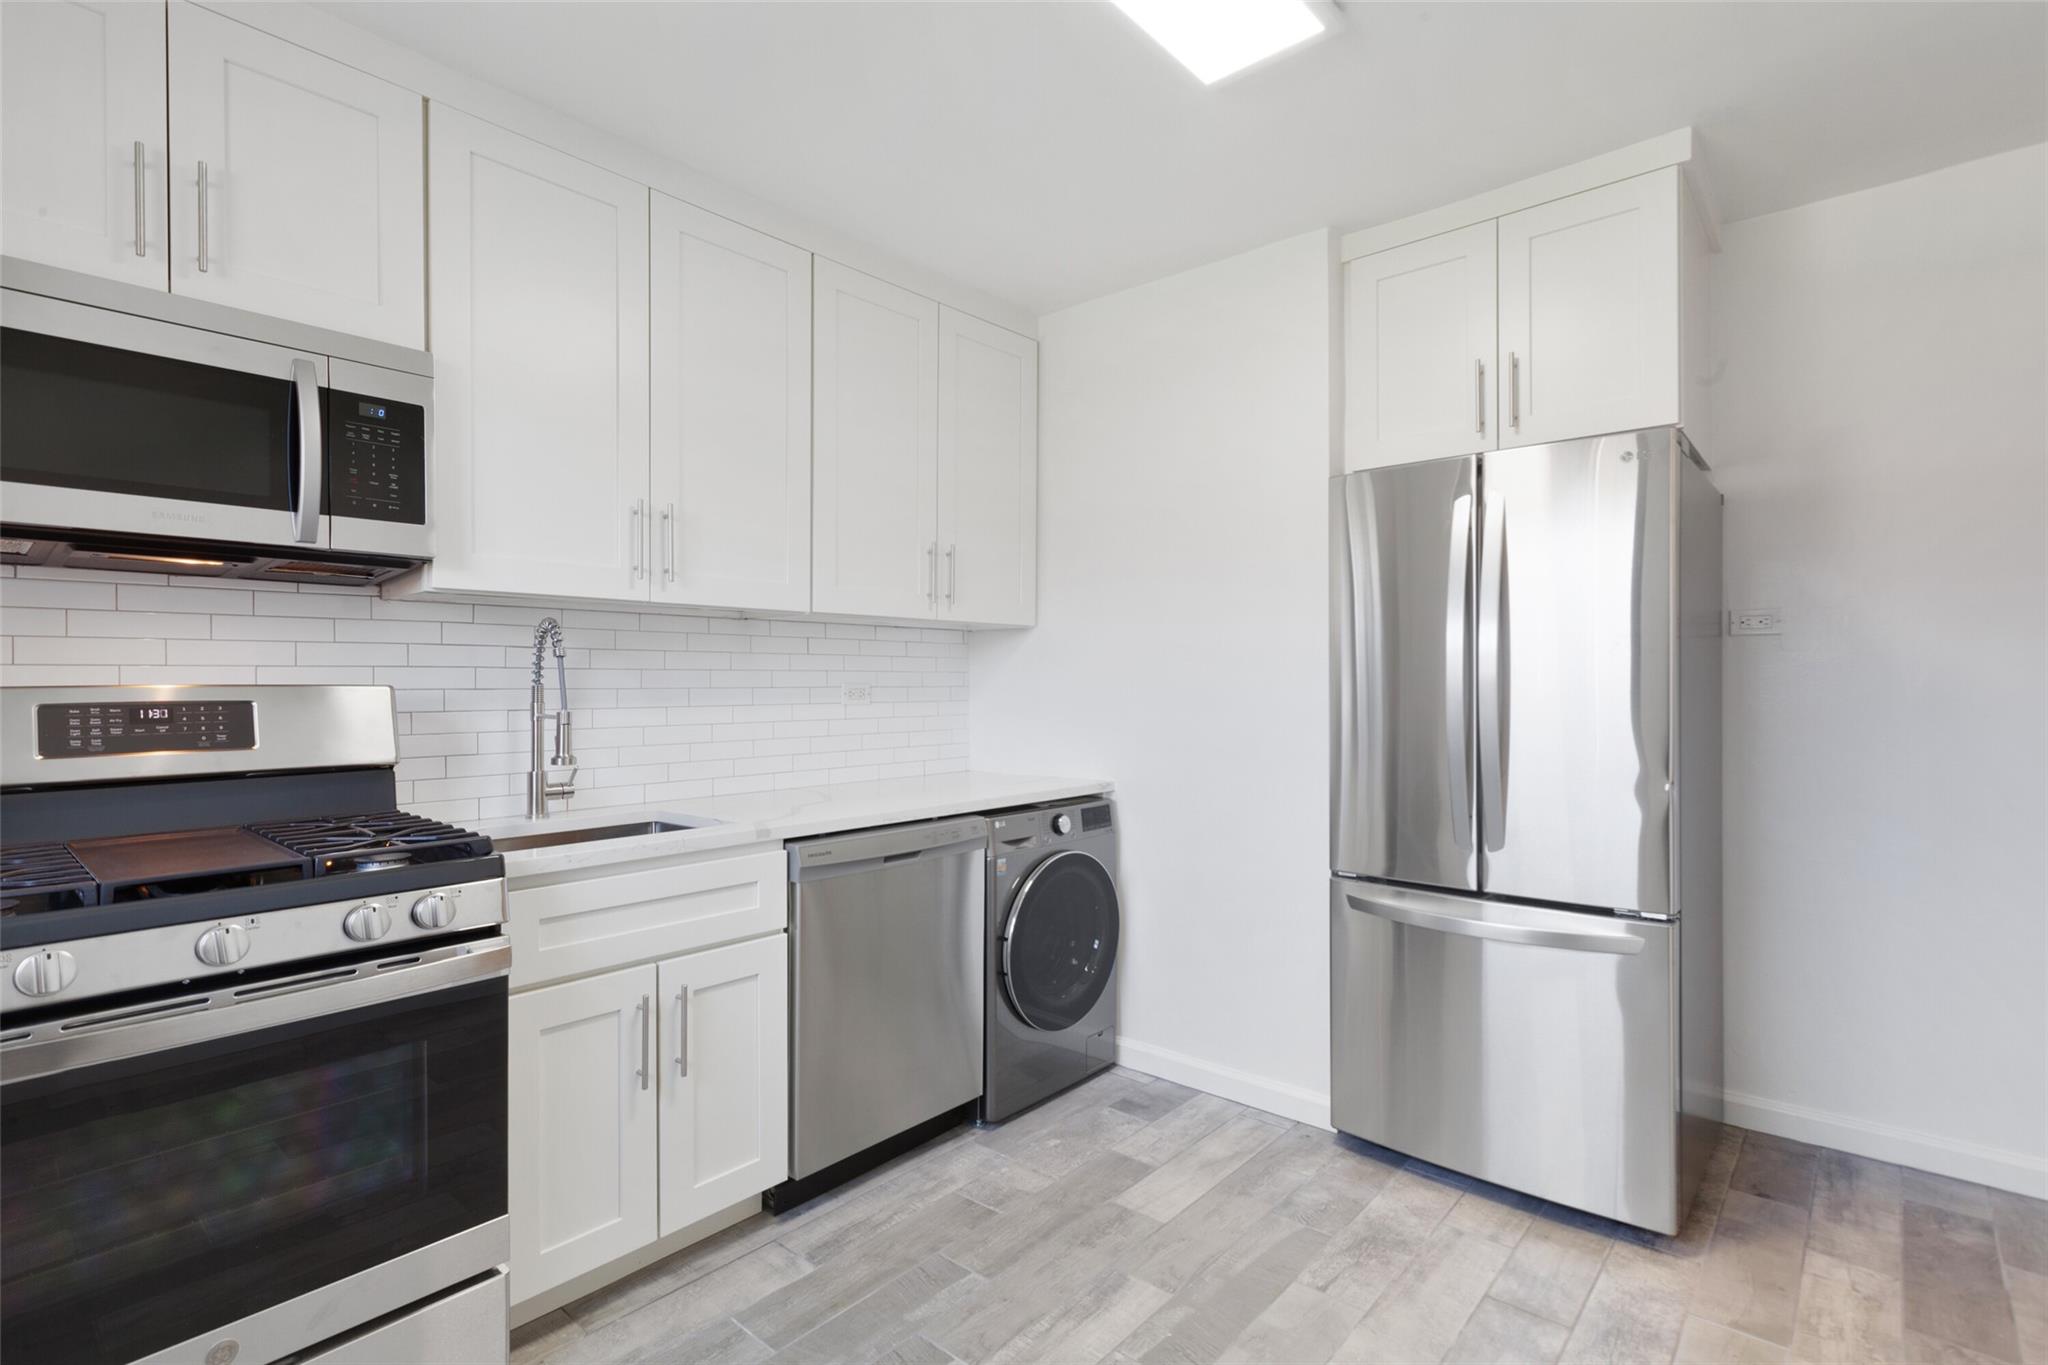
x=1493, y=673
x=1450, y=916
x=1457, y=670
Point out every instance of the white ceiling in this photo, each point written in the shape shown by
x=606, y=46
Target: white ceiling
x=1048, y=152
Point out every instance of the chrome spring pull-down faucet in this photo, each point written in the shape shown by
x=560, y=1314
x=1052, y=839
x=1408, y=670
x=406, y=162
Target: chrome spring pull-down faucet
x=539, y=790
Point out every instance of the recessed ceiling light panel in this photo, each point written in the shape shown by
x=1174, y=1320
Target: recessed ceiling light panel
x=1218, y=38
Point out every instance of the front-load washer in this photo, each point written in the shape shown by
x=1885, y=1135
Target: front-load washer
x=1054, y=927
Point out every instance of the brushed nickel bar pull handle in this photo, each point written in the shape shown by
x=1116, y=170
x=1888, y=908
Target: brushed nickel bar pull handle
x=312, y=453
x=1514, y=391
x=638, y=534
x=141, y=205
x=683, y=1031
x=668, y=542
x=1493, y=668
x=931, y=573
x=1479, y=395
x=646, y=1009
x=952, y=573
x=1399, y=907
x=204, y=255
x=1457, y=672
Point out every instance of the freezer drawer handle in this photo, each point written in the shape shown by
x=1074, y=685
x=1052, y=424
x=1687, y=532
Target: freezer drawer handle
x=1585, y=941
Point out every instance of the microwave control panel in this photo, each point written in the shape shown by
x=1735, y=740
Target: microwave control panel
x=90, y=729
x=376, y=458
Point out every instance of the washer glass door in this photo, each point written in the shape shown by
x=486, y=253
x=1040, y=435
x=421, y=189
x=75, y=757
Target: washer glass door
x=1059, y=941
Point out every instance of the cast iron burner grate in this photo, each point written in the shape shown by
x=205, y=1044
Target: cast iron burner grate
x=37, y=877
x=369, y=843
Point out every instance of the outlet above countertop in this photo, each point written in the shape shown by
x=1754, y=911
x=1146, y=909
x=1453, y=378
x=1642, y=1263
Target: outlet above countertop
x=715, y=822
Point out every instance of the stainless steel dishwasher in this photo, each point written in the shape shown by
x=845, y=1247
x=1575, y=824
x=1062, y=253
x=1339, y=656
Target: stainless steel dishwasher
x=886, y=942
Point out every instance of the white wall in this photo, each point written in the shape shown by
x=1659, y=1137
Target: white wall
x=1184, y=452
x=668, y=705
x=1880, y=439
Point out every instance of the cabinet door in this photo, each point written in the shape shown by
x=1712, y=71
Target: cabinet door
x=730, y=430
x=539, y=300
x=81, y=97
x=875, y=453
x=724, y=1077
x=1589, y=312
x=312, y=198
x=584, y=1123
x=1419, y=350
x=988, y=472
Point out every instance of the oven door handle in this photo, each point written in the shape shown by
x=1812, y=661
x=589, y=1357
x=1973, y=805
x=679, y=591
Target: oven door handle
x=224, y=1009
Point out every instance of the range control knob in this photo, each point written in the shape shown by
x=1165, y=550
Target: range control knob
x=433, y=911
x=223, y=945
x=46, y=972
x=366, y=922
x=1063, y=824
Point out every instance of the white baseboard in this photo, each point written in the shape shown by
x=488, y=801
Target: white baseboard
x=2006, y=1170
x=1997, y=1167
x=1275, y=1097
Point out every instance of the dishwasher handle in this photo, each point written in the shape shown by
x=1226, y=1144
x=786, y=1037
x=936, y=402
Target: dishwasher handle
x=864, y=850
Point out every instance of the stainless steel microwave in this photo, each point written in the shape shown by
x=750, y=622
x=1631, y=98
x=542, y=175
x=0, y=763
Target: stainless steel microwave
x=140, y=429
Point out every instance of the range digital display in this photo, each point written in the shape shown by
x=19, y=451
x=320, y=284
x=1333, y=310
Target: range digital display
x=93, y=729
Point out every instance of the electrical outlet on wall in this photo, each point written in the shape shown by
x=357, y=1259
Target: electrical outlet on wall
x=854, y=694
x=1756, y=621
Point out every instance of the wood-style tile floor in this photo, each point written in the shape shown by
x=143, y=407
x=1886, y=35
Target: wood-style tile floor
x=1133, y=1219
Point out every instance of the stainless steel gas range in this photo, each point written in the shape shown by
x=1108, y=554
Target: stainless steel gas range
x=252, y=1037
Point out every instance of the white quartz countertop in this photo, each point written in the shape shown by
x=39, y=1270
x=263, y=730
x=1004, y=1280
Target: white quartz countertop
x=757, y=817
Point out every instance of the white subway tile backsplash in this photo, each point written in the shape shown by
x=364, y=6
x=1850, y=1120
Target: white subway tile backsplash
x=275, y=628
x=668, y=706
x=61, y=675
x=153, y=625
x=63, y=649
x=55, y=592
x=213, y=601
x=31, y=620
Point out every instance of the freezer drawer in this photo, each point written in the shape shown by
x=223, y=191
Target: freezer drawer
x=1534, y=1048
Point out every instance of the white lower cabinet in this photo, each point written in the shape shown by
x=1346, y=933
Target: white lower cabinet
x=724, y=1078
x=643, y=1100
x=584, y=1126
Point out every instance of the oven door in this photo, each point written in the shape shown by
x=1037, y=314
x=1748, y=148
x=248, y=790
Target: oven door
x=126, y=425
x=271, y=1163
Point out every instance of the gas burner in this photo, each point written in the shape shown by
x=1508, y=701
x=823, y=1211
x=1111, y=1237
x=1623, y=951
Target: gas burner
x=371, y=843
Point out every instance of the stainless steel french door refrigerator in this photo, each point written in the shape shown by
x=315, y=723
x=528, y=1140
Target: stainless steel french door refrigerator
x=1525, y=952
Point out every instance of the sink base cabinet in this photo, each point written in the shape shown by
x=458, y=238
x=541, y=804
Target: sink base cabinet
x=644, y=1100
x=724, y=1077
x=584, y=1139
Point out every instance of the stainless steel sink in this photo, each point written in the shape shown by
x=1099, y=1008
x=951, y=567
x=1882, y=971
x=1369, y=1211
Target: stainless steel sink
x=554, y=837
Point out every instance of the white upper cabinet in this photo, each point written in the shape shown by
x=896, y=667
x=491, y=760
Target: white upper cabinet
x=295, y=182
x=875, y=448
x=730, y=432
x=539, y=304
x=1589, y=312
x=988, y=472
x=82, y=138
x=583, y=1162
x=1578, y=315
x=1419, y=350
x=724, y=1078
